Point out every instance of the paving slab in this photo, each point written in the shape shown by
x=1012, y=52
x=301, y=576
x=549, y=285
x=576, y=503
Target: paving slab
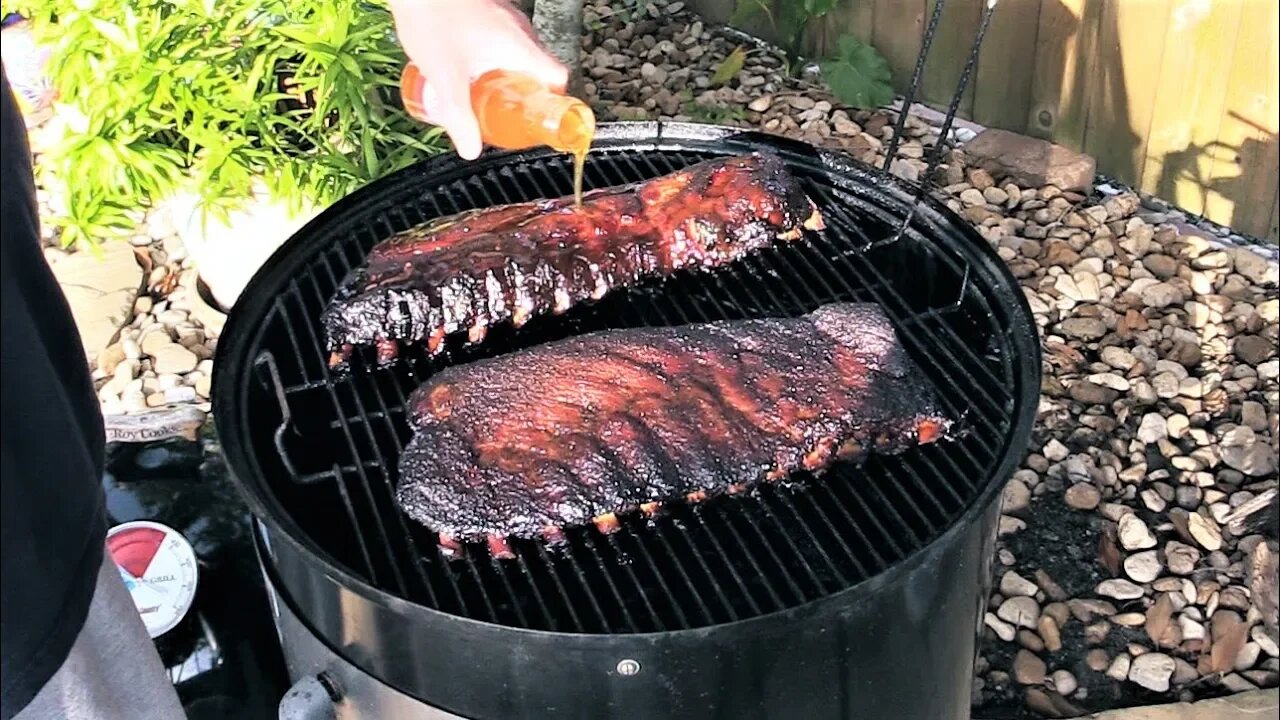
x=1252, y=705
x=101, y=288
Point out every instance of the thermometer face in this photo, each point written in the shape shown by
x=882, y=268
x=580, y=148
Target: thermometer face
x=158, y=566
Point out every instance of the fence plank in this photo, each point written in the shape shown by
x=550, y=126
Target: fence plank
x=947, y=54
x=899, y=28
x=1178, y=97
x=1190, y=99
x=1131, y=42
x=851, y=17
x=1002, y=85
x=1066, y=49
x=1274, y=232
x=1245, y=169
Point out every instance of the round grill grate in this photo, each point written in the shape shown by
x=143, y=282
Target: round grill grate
x=317, y=451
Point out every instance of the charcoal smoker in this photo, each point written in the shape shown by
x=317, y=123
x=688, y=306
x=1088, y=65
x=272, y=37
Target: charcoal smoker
x=855, y=595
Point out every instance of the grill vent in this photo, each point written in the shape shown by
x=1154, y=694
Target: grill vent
x=328, y=445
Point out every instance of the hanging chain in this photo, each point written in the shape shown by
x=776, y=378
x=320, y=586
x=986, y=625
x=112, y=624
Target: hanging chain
x=912, y=88
x=935, y=158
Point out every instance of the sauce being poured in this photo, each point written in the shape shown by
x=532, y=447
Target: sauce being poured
x=516, y=111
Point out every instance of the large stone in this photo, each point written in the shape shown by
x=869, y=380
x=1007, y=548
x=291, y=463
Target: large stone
x=100, y=288
x=172, y=358
x=1028, y=668
x=1030, y=162
x=1250, y=264
x=229, y=251
x=1252, y=349
x=1152, y=671
x=1134, y=533
x=1251, y=705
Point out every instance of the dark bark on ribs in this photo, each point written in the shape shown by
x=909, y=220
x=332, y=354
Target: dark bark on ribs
x=576, y=430
x=475, y=269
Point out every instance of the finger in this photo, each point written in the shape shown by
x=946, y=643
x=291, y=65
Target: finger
x=532, y=58
x=449, y=106
x=547, y=69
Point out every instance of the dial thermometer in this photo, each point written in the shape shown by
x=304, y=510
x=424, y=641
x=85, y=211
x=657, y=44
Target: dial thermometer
x=158, y=566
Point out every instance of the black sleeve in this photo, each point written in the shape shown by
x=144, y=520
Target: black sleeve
x=52, y=523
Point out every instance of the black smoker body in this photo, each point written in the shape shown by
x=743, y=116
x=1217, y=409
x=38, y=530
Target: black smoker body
x=857, y=595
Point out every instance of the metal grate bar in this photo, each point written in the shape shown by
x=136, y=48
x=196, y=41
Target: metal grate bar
x=639, y=549
x=988, y=409
x=367, y=485
x=852, y=497
x=882, y=561
x=405, y=534
x=811, y=499
x=592, y=545
x=552, y=573
x=746, y=288
x=813, y=300
x=696, y=564
x=339, y=476
x=786, y=573
x=678, y=563
x=721, y=555
x=627, y=568
x=405, y=538
x=499, y=569
x=587, y=587
x=548, y=618
x=894, y=481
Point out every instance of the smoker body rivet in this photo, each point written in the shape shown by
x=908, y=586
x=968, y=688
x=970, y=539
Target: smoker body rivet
x=628, y=667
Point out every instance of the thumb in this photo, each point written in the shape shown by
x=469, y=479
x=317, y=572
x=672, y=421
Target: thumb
x=449, y=104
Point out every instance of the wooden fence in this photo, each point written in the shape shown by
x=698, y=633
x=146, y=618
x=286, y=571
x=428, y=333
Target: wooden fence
x=1177, y=97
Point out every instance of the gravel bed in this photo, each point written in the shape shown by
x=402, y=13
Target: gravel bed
x=1131, y=567
x=1123, y=574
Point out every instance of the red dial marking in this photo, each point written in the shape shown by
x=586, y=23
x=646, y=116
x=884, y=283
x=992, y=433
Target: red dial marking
x=134, y=549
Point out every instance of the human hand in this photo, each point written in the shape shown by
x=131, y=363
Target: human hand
x=453, y=42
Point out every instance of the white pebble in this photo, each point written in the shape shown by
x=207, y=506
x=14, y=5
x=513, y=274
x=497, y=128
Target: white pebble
x=1134, y=533
x=1119, y=588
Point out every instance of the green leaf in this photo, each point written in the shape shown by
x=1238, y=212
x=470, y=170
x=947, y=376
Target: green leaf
x=749, y=11
x=729, y=68
x=301, y=94
x=858, y=75
x=115, y=34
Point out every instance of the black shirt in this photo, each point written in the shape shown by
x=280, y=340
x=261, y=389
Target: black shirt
x=52, y=521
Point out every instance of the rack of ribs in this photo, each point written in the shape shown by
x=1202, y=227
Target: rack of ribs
x=581, y=430
x=512, y=262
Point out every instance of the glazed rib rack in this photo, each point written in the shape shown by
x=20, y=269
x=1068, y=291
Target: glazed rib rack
x=331, y=451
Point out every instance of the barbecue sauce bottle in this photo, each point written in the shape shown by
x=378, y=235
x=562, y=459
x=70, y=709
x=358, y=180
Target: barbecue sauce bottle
x=516, y=111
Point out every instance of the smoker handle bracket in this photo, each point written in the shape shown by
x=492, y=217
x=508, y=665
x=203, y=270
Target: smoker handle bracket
x=312, y=697
x=266, y=365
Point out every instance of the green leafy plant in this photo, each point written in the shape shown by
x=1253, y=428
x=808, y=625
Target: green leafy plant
x=729, y=68
x=714, y=113
x=788, y=18
x=217, y=96
x=859, y=76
